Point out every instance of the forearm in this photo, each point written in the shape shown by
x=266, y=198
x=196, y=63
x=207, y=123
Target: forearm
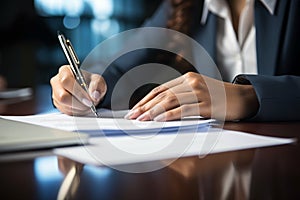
x=278, y=97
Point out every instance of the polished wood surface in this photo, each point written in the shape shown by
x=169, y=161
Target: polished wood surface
x=265, y=173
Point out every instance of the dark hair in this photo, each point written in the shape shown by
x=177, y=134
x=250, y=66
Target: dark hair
x=183, y=18
x=182, y=15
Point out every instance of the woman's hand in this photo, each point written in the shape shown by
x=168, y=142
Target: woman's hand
x=194, y=94
x=70, y=98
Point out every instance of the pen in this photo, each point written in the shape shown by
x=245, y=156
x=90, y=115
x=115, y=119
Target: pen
x=74, y=64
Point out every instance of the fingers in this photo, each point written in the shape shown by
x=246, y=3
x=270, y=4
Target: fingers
x=158, y=90
x=161, y=104
x=173, y=99
x=175, y=96
x=184, y=111
x=71, y=110
x=179, y=112
x=70, y=98
x=64, y=100
x=97, y=88
x=68, y=82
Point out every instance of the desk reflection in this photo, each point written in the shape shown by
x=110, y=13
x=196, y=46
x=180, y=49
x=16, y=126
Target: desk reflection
x=6, y=105
x=264, y=173
x=220, y=177
x=72, y=172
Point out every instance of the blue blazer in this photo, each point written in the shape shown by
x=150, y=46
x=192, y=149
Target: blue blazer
x=278, y=49
x=277, y=84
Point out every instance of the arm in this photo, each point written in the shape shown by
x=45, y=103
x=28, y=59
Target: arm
x=278, y=96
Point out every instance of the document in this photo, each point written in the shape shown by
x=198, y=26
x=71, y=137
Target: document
x=117, y=141
x=111, y=123
x=17, y=136
x=115, y=151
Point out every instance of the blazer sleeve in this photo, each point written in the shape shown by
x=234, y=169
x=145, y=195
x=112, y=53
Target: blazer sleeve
x=278, y=84
x=278, y=96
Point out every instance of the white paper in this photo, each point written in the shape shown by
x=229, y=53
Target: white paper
x=111, y=151
x=135, y=142
x=106, y=125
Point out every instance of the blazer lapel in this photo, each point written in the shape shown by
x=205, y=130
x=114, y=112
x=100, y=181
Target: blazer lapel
x=268, y=32
x=206, y=35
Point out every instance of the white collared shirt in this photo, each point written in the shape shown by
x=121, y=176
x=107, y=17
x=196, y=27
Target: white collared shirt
x=235, y=55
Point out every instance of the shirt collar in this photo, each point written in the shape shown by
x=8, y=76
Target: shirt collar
x=269, y=4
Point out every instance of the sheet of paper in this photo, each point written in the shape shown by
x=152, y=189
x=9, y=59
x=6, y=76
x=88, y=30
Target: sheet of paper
x=119, y=150
x=106, y=125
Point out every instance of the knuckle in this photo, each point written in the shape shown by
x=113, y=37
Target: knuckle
x=63, y=68
x=52, y=80
x=185, y=108
x=156, y=90
x=63, y=97
x=189, y=75
x=194, y=83
x=170, y=115
x=171, y=99
x=192, y=80
x=161, y=96
x=64, y=79
x=159, y=89
x=141, y=109
x=152, y=113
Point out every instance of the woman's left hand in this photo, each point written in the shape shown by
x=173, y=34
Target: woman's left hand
x=194, y=94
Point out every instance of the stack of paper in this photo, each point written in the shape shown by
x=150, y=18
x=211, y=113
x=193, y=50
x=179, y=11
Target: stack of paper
x=136, y=141
x=118, y=151
x=111, y=126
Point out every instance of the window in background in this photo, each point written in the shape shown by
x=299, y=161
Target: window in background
x=29, y=50
x=88, y=22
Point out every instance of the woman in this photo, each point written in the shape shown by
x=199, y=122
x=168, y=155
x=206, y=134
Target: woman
x=254, y=44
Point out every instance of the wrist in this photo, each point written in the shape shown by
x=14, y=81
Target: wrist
x=248, y=101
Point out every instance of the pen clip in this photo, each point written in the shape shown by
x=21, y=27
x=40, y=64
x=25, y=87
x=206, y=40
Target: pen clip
x=72, y=52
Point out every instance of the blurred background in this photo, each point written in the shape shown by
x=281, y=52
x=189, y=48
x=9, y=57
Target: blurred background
x=29, y=50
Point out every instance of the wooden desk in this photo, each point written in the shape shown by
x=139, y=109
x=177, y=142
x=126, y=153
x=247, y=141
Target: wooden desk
x=269, y=173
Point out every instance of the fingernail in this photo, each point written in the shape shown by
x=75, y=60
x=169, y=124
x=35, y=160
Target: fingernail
x=160, y=118
x=87, y=102
x=96, y=95
x=142, y=117
x=129, y=114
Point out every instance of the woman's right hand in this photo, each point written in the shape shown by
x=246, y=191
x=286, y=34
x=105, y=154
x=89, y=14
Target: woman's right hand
x=70, y=98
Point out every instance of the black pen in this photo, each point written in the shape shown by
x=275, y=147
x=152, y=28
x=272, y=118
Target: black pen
x=74, y=64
